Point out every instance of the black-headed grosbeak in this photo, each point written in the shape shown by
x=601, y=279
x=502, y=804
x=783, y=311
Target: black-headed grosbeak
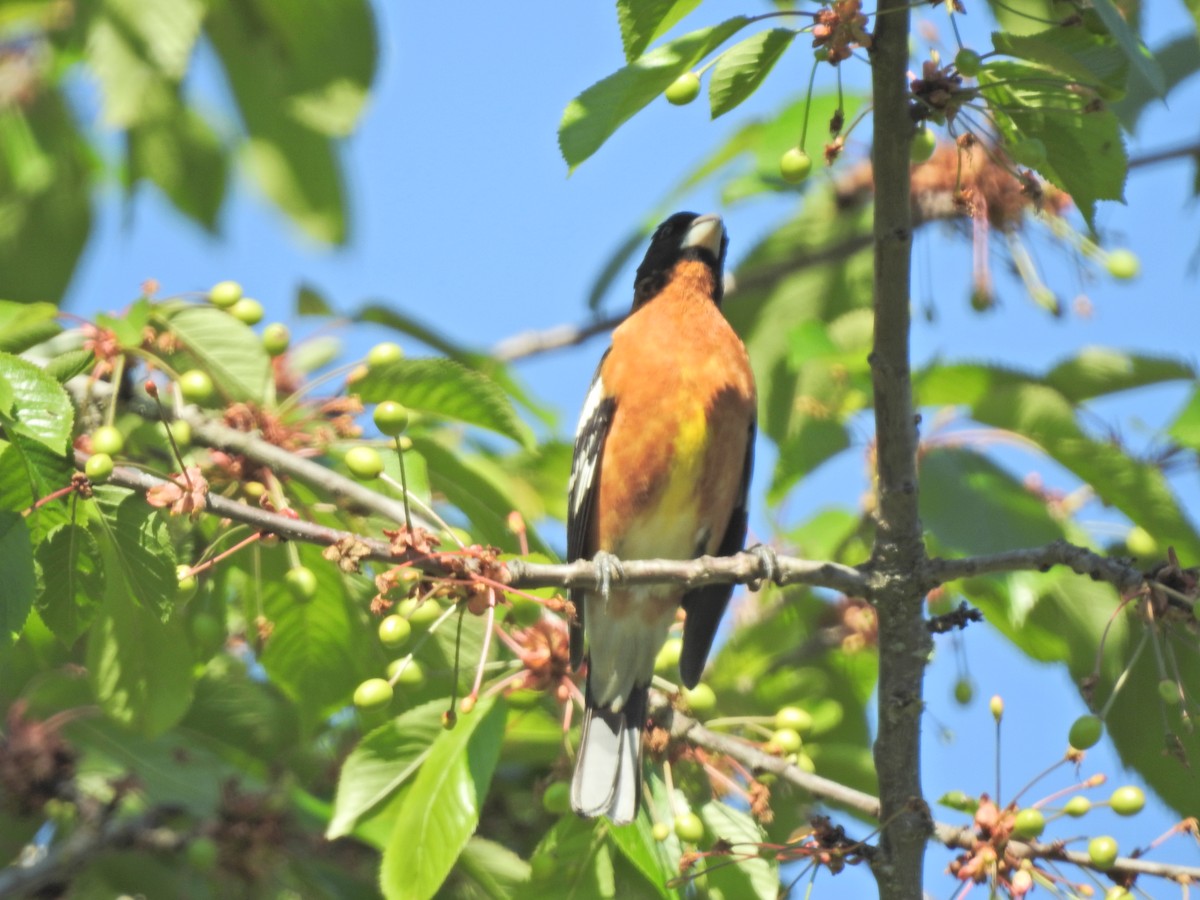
x=661, y=470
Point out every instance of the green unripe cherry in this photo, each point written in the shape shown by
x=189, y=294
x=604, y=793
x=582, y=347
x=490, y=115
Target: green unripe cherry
x=108, y=439
x=384, y=353
x=667, y=660
x=413, y=674
x=700, y=700
x=391, y=418
x=98, y=468
x=364, y=463
x=795, y=718
x=1077, y=806
x=394, y=631
x=684, y=89
x=1123, y=265
x=301, y=582
x=187, y=582
x=556, y=799
x=224, y=294
x=795, y=165
x=661, y=831
x=1102, y=851
x=968, y=62
x=1127, y=801
x=923, y=144
x=373, y=694
x=248, y=311
x=1086, y=732
x=689, y=827
x=276, y=339
x=196, y=386
x=1028, y=824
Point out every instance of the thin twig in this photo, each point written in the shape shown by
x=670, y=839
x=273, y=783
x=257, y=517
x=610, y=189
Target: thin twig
x=682, y=727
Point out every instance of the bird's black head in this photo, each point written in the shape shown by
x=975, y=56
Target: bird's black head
x=685, y=235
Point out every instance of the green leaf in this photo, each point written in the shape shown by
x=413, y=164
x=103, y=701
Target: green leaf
x=28, y=472
x=441, y=809
x=319, y=650
x=482, y=492
x=741, y=69
x=172, y=768
x=140, y=668
x=1074, y=52
x=645, y=21
x=41, y=409
x=652, y=858
x=972, y=506
x=446, y=389
x=311, y=302
x=6, y=398
x=16, y=574
x=45, y=180
x=181, y=154
x=138, y=550
x=1138, y=489
x=1186, y=427
x=391, y=317
x=25, y=325
x=300, y=73
x=1085, y=155
x=239, y=712
x=72, y=581
x=487, y=871
x=574, y=862
x=756, y=877
x=227, y=349
x=383, y=761
x=1097, y=371
x=1179, y=59
x=591, y=118
x=139, y=51
x=65, y=366
x=1140, y=58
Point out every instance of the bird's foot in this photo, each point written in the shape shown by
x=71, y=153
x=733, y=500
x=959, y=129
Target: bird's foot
x=770, y=565
x=608, y=570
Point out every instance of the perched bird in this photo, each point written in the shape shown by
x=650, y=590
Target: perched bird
x=661, y=467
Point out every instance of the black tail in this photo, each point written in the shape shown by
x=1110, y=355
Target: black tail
x=608, y=770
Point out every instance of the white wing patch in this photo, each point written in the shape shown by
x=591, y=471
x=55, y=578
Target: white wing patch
x=589, y=439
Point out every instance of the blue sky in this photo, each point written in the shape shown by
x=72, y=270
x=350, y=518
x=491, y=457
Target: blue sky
x=462, y=213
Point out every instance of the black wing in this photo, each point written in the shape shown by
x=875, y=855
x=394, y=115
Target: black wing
x=706, y=605
x=584, y=485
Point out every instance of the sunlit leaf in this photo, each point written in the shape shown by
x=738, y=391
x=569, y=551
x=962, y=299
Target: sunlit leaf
x=382, y=761
x=741, y=69
x=591, y=118
x=644, y=21
x=227, y=349
x=448, y=390
x=138, y=550
x=757, y=877
x=24, y=325
x=140, y=668
x=973, y=506
x=41, y=409
x=1085, y=153
x=441, y=809
x=72, y=581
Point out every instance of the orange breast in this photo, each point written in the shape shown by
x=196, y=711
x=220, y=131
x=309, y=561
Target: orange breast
x=675, y=450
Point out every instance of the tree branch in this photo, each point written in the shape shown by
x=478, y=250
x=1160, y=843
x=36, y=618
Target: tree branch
x=899, y=552
x=61, y=861
x=1119, y=573
x=682, y=727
